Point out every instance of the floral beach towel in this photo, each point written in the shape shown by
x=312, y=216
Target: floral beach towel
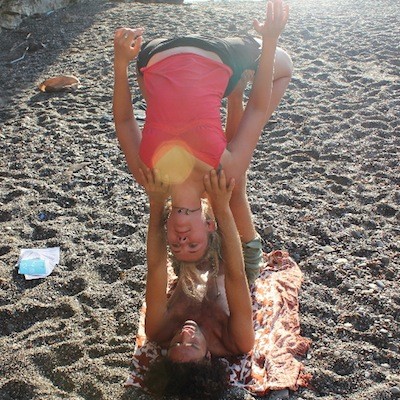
x=273, y=362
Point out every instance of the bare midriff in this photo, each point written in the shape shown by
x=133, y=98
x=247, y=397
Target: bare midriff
x=180, y=50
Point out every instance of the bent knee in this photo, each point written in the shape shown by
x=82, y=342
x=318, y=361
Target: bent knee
x=283, y=67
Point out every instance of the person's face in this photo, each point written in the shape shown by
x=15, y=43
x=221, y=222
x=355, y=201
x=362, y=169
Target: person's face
x=188, y=345
x=187, y=235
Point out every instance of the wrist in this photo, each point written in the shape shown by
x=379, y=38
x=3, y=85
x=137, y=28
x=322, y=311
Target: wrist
x=120, y=66
x=157, y=204
x=222, y=212
x=269, y=41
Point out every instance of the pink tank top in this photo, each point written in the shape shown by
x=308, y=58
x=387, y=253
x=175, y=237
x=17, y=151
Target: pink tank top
x=184, y=93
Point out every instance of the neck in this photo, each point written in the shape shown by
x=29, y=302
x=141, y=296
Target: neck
x=186, y=196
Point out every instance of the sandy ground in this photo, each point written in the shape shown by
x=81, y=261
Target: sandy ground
x=324, y=184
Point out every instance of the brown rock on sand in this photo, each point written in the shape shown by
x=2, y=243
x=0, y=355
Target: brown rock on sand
x=59, y=83
x=324, y=181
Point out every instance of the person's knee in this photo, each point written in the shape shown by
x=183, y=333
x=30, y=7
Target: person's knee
x=283, y=67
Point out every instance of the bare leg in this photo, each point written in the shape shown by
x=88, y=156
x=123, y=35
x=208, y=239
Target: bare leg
x=235, y=105
x=283, y=70
x=251, y=240
x=241, y=211
x=239, y=202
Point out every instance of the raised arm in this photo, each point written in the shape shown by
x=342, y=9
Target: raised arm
x=127, y=43
x=240, y=326
x=244, y=142
x=157, y=278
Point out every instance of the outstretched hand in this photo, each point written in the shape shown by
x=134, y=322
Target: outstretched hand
x=275, y=20
x=127, y=44
x=156, y=188
x=219, y=191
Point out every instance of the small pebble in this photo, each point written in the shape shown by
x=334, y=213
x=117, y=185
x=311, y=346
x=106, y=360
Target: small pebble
x=367, y=291
x=380, y=284
x=140, y=114
x=107, y=118
x=385, y=365
x=369, y=363
x=328, y=249
x=393, y=347
x=356, y=234
x=362, y=265
x=348, y=325
x=341, y=261
x=367, y=374
x=358, y=286
x=42, y=216
x=395, y=390
x=385, y=260
x=268, y=230
x=384, y=331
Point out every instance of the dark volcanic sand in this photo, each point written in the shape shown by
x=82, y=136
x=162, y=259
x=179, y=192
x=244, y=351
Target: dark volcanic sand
x=324, y=184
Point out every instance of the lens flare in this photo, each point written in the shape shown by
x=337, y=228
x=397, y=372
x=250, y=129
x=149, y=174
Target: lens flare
x=175, y=161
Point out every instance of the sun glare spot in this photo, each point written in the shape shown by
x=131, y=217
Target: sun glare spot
x=174, y=161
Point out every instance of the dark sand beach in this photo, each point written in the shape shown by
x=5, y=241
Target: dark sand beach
x=323, y=184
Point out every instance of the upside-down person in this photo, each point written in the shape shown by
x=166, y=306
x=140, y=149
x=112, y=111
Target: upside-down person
x=183, y=136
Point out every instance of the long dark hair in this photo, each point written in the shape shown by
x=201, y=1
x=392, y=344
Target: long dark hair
x=203, y=380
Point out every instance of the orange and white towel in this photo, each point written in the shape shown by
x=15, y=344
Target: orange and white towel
x=273, y=363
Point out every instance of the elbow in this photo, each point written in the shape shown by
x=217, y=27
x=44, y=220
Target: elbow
x=122, y=122
x=252, y=340
x=151, y=334
x=156, y=337
x=248, y=344
x=246, y=349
